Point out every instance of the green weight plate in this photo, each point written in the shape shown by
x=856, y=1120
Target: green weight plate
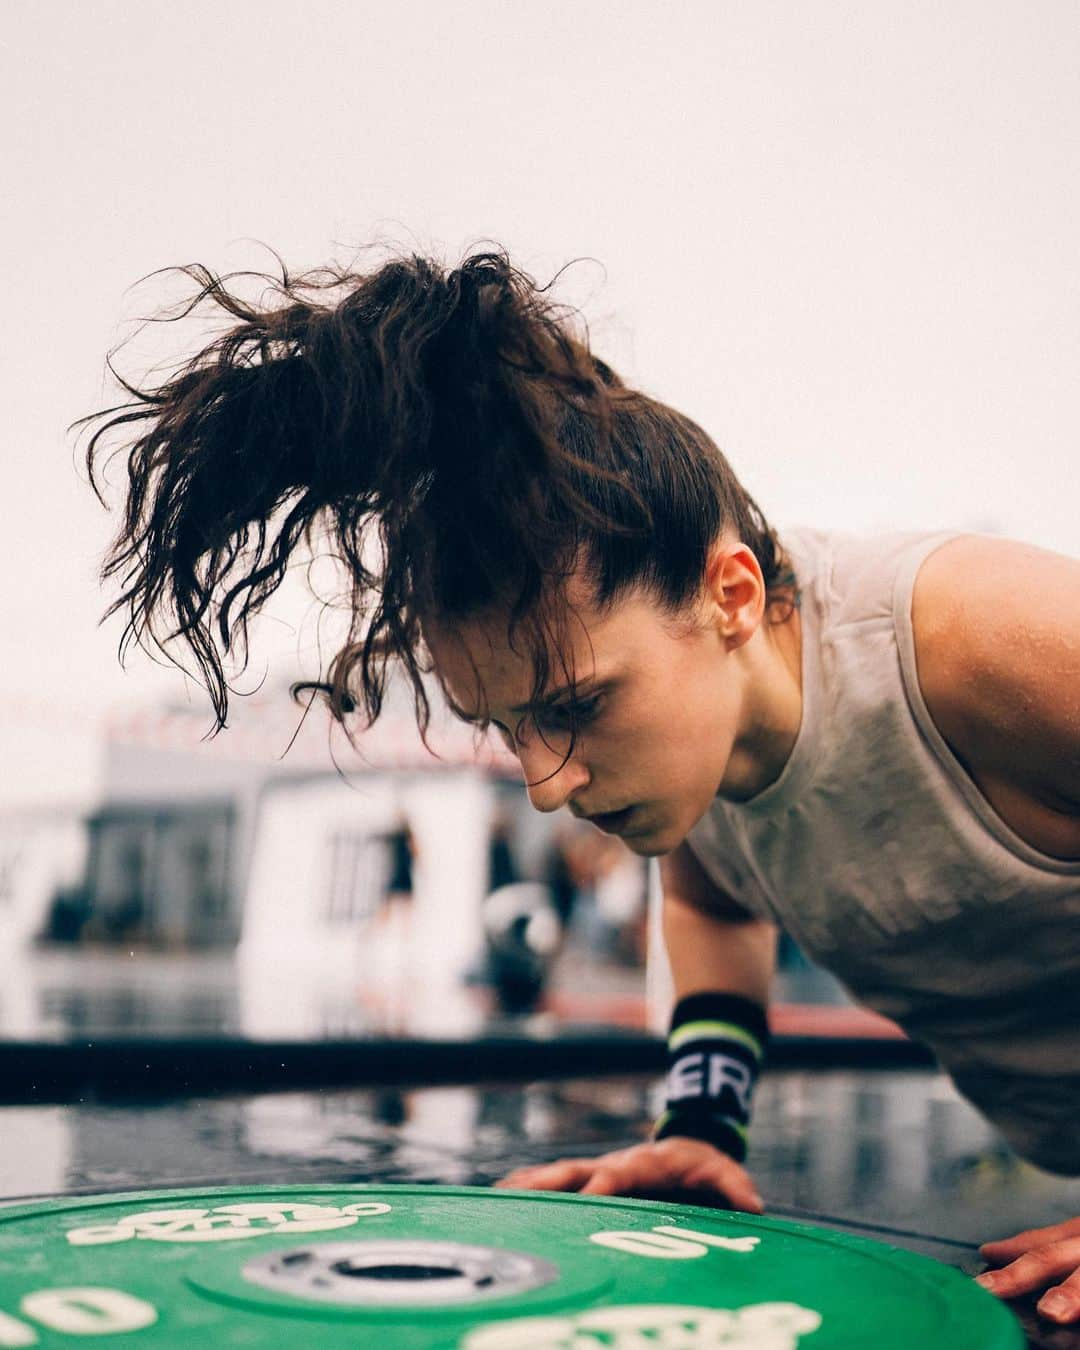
x=455, y=1268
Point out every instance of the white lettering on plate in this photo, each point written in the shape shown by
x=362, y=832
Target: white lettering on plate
x=14, y=1333
x=226, y=1222
x=668, y=1243
x=739, y=1244
x=88, y=1312
x=758, y=1326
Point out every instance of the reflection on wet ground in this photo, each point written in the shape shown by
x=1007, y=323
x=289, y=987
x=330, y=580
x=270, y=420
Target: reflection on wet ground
x=58, y=994
x=897, y=1156
x=897, y=1149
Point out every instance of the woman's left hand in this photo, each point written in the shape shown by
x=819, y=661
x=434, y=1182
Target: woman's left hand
x=1040, y=1258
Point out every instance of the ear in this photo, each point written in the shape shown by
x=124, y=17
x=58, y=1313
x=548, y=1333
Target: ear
x=735, y=591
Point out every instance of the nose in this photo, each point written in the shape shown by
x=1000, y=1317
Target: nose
x=551, y=776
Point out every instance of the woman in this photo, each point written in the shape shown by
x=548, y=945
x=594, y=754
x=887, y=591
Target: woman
x=874, y=742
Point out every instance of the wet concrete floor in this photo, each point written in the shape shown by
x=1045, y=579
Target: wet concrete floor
x=896, y=1156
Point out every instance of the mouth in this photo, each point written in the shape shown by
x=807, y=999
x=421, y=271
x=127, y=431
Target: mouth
x=611, y=822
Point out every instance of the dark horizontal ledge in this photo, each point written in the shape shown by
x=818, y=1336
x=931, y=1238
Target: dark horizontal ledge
x=115, y=1068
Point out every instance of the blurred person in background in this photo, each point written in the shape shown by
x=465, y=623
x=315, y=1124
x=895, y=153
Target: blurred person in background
x=560, y=873
x=502, y=866
x=874, y=742
x=393, y=928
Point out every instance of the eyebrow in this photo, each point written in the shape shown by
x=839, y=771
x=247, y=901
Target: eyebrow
x=582, y=690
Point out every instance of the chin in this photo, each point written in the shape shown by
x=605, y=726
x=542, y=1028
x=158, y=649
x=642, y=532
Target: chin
x=647, y=847
x=652, y=843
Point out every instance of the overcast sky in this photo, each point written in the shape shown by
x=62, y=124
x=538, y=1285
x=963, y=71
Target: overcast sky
x=843, y=236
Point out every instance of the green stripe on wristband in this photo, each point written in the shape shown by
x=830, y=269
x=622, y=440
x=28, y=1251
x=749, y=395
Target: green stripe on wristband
x=723, y=1031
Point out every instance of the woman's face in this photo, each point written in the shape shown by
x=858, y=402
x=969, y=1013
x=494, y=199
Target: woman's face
x=659, y=706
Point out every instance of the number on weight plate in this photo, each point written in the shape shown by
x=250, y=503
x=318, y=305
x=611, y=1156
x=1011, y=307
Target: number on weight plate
x=76, y=1312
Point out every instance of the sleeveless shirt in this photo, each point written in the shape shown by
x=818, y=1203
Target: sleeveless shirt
x=883, y=860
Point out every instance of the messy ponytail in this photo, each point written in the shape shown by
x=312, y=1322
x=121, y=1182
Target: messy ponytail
x=451, y=434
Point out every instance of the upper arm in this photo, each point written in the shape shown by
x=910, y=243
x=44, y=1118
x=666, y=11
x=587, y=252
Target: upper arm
x=684, y=878
x=997, y=640
x=713, y=944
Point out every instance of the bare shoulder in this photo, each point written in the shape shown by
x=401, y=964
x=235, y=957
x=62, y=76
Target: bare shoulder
x=997, y=643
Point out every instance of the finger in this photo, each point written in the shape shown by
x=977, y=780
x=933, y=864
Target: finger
x=1007, y=1249
x=518, y=1179
x=568, y=1174
x=723, y=1174
x=1034, y=1270
x=741, y=1193
x=606, y=1181
x=716, y=1174
x=632, y=1171
x=1062, y=1302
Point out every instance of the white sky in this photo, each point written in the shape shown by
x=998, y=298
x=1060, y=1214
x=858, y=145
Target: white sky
x=843, y=236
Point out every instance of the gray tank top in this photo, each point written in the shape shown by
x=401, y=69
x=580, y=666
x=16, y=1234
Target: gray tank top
x=880, y=856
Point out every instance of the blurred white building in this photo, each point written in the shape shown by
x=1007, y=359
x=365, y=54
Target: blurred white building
x=277, y=833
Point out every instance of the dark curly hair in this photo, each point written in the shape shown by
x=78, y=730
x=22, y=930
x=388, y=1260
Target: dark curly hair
x=451, y=433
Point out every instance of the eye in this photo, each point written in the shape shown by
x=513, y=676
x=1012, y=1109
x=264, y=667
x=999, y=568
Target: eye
x=571, y=716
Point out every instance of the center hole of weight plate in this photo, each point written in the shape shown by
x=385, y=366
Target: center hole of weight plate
x=397, y=1272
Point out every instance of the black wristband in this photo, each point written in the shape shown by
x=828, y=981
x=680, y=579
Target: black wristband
x=716, y=1047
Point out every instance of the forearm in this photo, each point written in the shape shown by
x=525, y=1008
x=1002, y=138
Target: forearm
x=722, y=961
x=711, y=953
x=721, y=958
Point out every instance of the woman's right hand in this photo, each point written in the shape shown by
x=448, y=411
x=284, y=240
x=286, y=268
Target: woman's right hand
x=666, y=1165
